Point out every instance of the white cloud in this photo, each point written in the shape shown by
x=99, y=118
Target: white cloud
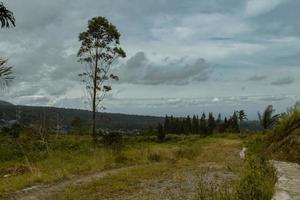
x=258, y=7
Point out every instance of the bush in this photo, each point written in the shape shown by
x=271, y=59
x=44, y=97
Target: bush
x=290, y=121
x=14, y=130
x=112, y=138
x=258, y=182
x=160, y=133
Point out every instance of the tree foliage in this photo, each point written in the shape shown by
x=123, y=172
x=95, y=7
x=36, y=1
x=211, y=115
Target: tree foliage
x=203, y=126
x=267, y=119
x=100, y=48
x=7, y=18
x=5, y=73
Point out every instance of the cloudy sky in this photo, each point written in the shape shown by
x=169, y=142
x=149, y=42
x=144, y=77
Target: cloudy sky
x=183, y=57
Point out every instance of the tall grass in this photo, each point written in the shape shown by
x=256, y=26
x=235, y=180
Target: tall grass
x=288, y=123
x=256, y=183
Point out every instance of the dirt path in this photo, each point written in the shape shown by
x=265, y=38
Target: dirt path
x=182, y=185
x=41, y=192
x=288, y=186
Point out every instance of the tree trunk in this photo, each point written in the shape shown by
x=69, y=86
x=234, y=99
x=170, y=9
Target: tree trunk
x=94, y=135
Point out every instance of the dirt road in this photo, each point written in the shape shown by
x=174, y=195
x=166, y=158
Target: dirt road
x=288, y=186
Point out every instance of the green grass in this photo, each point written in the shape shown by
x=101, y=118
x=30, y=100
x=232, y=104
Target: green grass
x=168, y=159
x=29, y=163
x=75, y=155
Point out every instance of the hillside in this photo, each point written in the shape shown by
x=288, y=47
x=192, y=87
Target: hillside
x=30, y=114
x=5, y=103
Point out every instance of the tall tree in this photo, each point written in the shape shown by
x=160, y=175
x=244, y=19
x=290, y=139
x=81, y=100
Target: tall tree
x=100, y=48
x=267, y=119
x=7, y=20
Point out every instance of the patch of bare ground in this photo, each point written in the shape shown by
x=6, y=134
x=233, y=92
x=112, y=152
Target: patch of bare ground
x=182, y=185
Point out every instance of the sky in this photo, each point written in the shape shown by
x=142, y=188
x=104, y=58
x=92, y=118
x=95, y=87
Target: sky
x=183, y=57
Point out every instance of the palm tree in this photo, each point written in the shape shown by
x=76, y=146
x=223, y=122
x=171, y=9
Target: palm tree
x=5, y=73
x=267, y=120
x=7, y=18
x=242, y=117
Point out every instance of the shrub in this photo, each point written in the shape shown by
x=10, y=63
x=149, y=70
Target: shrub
x=154, y=157
x=258, y=182
x=160, y=133
x=112, y=138
x=14, y=130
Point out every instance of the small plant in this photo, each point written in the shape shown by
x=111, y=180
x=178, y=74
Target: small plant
x=13, y=130
x=154, y=157
x=210, y=189
x=185, y=152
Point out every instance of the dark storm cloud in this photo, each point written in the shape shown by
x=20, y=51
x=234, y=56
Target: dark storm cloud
x=140, y=70
x=274, y=98
x=257, y=78
x=283, y=81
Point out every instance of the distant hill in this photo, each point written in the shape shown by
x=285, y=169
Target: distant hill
x=4, y=103
x=30, y=114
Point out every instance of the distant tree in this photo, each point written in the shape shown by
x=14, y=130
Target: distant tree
x=7, y=20
x=242, y=117
x=172, y=124
x=267, y=119
x=100, y=48
x=211, y=123
x=234, y=123
x=77, y=125
x=203, y=125
x=160, y=133
x=149, y=130
x=225, y=122
x=167, y=124
x=177, y=126
x=188, y=125
x=195, y=124
x=219, y=120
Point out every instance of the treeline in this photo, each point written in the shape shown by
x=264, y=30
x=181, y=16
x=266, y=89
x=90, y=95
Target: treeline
x=204, y=125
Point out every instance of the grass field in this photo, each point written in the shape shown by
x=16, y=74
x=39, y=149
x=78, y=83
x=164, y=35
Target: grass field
x=175, y=168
